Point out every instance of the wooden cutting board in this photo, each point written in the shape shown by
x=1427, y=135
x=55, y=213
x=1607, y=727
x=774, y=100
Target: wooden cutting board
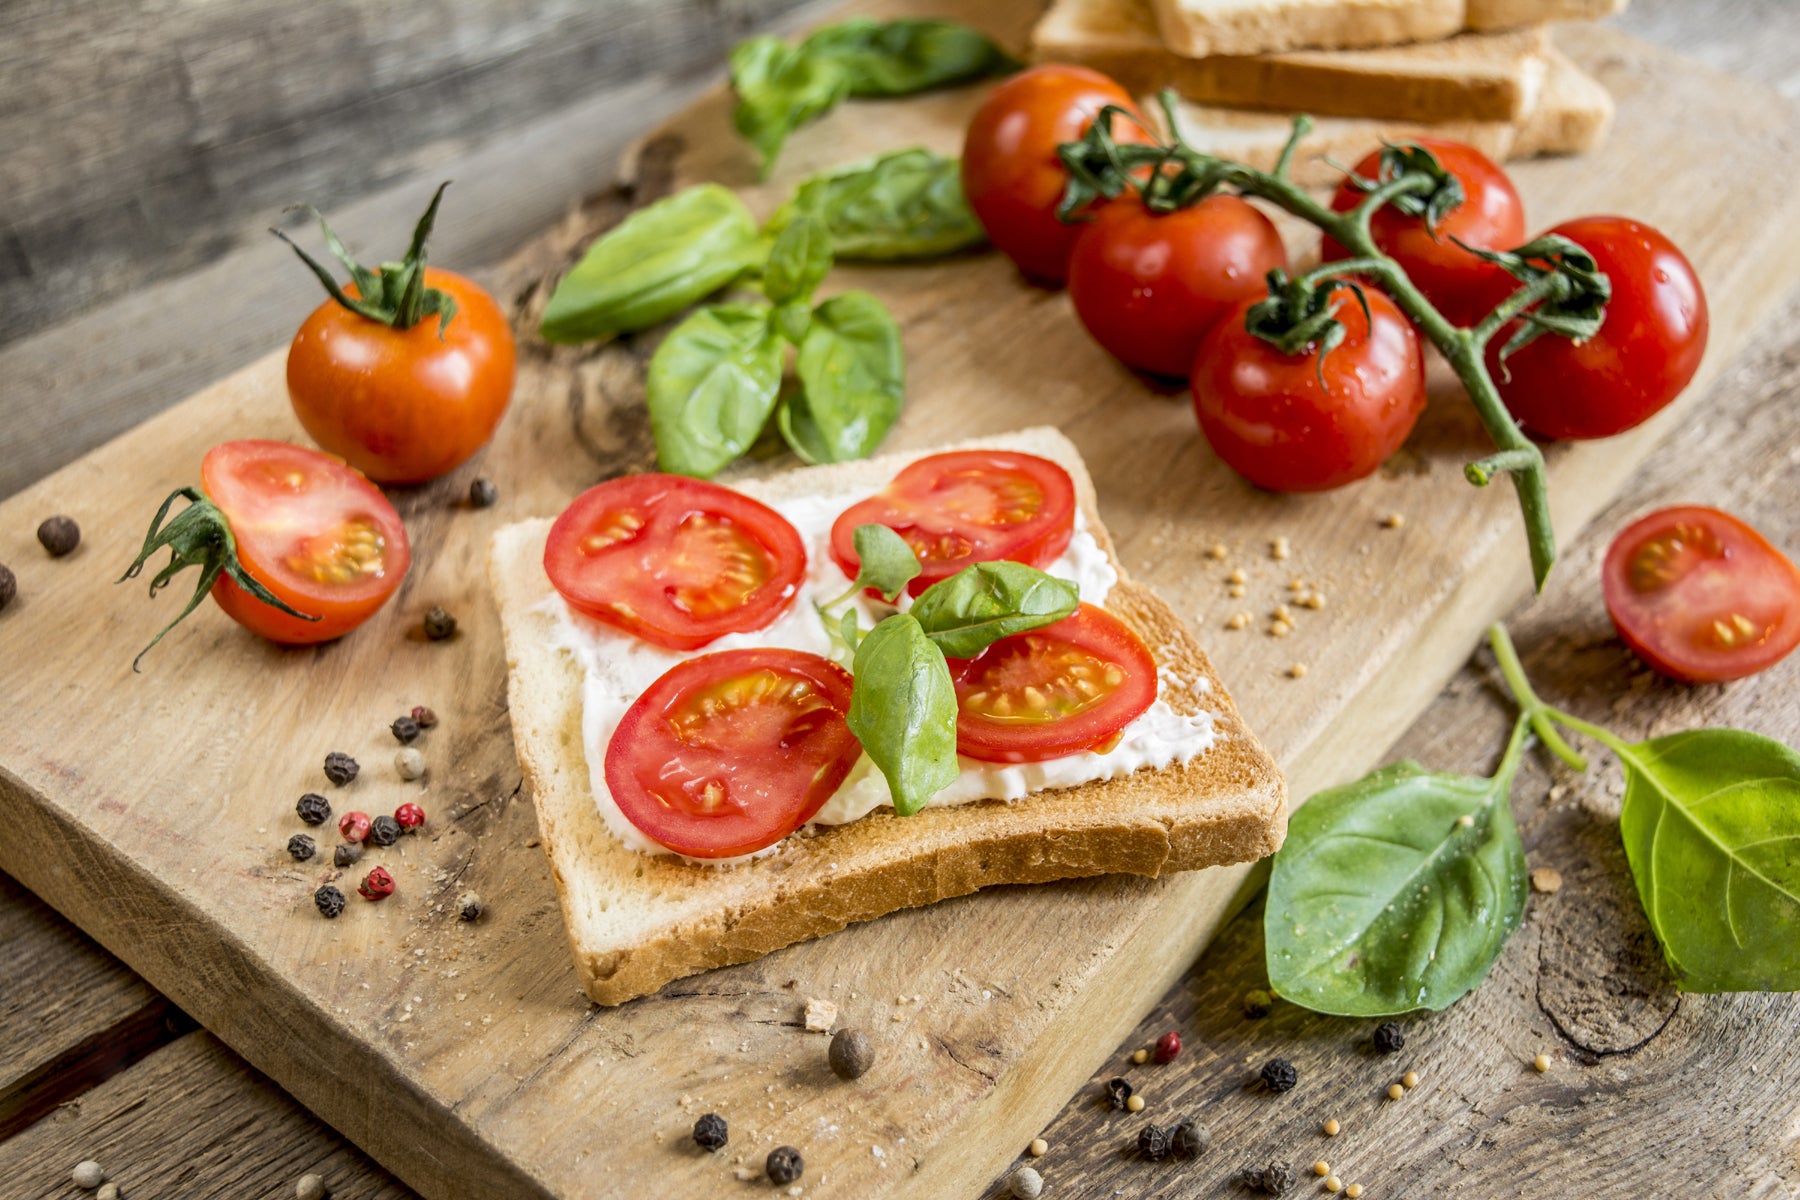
x=153, y=809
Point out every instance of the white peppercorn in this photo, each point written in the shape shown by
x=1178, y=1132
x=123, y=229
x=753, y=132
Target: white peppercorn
x=88, y=1175
x=409, y=763
x=311, y=1187
x=1026, y=1184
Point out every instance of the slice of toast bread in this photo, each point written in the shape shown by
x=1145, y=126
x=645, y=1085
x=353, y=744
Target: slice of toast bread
x=1478, y=77
x=1198, y=28
x=1571, y=116
x=636, y=921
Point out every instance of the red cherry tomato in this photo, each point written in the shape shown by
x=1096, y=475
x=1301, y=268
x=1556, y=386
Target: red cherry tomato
x=1056, y=691
x=677, y=561
x=1148, y=287
x=1010, y=172
x=1272, y=421
x=965, y=507
x=728, y=753
x=403, y=405
x=1700, y=596
x=1462, y=286
x=314, y=532
x=1648, y=348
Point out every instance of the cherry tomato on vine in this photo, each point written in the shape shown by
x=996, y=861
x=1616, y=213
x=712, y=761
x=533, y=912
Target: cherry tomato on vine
x=1648, y=347
x=1268, y=416
x=1010, y=172
x=1700, y=596
x=1461, y=285
x=1149, y=286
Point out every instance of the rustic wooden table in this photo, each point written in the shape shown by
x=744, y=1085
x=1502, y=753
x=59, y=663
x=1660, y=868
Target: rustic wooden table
x=1649, y=1090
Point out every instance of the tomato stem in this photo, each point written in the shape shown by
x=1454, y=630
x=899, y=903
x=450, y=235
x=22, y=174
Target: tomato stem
x=395, y=295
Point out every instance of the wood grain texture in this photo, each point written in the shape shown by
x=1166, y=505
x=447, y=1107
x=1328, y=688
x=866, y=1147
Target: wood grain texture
x=397, y=1019
x=1649, y=1086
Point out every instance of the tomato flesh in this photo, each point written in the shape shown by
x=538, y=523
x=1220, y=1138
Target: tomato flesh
x=728, y=753
x=677, y=561
x=965, y=507
x=1052, y=692
x=1700, y=596
x=310, y=529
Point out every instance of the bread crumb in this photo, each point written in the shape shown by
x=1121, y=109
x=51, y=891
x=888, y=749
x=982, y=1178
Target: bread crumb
x=821, y=1015
x=1296, y=584
x=1313, y=600
x=1393, y=520
x=1278, y=548
x=1237, y=576
x=1546, y=879
x=1282, y=613
x=1218, y=550
x=1236, y=591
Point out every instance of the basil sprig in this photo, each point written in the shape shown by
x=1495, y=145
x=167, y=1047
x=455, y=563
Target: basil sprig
x=852, y=371
x=905, y=204
x=976, y=607
x=711, y=387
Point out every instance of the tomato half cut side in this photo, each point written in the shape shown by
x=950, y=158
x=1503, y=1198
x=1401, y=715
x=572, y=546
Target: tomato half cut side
x=310, y=529
x=728, y=753
x=1700, y=596
x=1052, y=692
x=677, y=561
x=967, y=506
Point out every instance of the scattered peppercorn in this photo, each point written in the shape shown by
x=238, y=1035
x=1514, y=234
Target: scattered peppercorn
x=410, y=764
x=300, y=847
x=424, y=716
x=340, y=768
x=311, y=1187
x=784, y=1165
x=59, y=535
x=354, y=826
x=1025, y=1184
x=1191, y=1140
x=1278, y=1075
x=329, y=900
x=376, y=885
x=1118, y=1091
x=1274, y=1179
x=345, y=855
x=1155, y=1142
x=483, y=493
x=313, y=808
x=1389, y=1037
x=710, y=1132
x=439, y=624
x=384, y=831
x=1038, y=1148
x=468, y=906
x=851, y=1055
x=1168, y=1047
x=1258, y=1004
x=410, y=816
x=1135, y=1104
x=88, y=1175
x=405, y=730
x=9, y=585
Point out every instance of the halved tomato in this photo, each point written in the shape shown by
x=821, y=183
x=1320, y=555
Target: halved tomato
x=313, y=531
x=677, y=561
x=728, y=753
x=967, y=506
x=1700, y=596
x=1055, y=691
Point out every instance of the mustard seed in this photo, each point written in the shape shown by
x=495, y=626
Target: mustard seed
x=1238, y=620
x=1140, y=1057
x=1334, y=1184
x=1546, y=879
x=1237, y=591
x=1393, y=521
x=1135, y=1104
x=1314, y=600
x=1279, y=548
x=1237, y=576
x=1321, y=1167
x=1410, y=1079
x=1542, y=1063
x=1218, y=550
x=1353, y=1191
x=1279, y=628
x=1038, y=1148
x=1297, y=671
x=1395, y=1091
x=1332, y=1128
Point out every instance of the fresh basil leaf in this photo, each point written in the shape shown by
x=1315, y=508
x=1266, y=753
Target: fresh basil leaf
x=798, y=261
x=908, y=204
x=780, y=88
x=884, y=561
x=903, y=711
x=1383, y=901
x=1711, y=824
x=899, y=58
x=653, y=264
x=711, y=386
x=980, y=604
x=852, y=372
x=793, y=319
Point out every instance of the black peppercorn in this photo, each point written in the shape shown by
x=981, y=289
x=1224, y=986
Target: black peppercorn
x=483, y=493
x=9, y=586
x=439, y=624
x=1155, y=1142
x=1118, y=1091
x=405, y=730
x=710, y=1132
x=1278, y=1075
x=59, y=535
x=784, y=1165
x=424, y=716
x=314, y=809
x=1389, y=1037
x=301, y=847
x=346, y=854
x=851, y=1054
x=1277, y=1178
x=384, y=830
x=1191, y=1140
x=340, y=768
x=1257, y=1004
x=329, y=900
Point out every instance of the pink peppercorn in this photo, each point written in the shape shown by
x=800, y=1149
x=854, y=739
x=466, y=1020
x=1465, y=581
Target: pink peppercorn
x=376, y=885
x=354, y=826
x=410, y=816
x=1168, y=1047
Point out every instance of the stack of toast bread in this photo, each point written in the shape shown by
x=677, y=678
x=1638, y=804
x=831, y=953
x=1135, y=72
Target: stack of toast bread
x=1485, y=72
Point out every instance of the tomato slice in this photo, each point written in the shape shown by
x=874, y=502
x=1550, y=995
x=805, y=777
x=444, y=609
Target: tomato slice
x=730, y=752
x=676, y=561
x=1700, y=596
x=964, y=507
x=1055, y=691
x=310, y=529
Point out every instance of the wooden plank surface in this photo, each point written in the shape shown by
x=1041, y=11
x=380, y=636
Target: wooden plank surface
x=219, y=919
